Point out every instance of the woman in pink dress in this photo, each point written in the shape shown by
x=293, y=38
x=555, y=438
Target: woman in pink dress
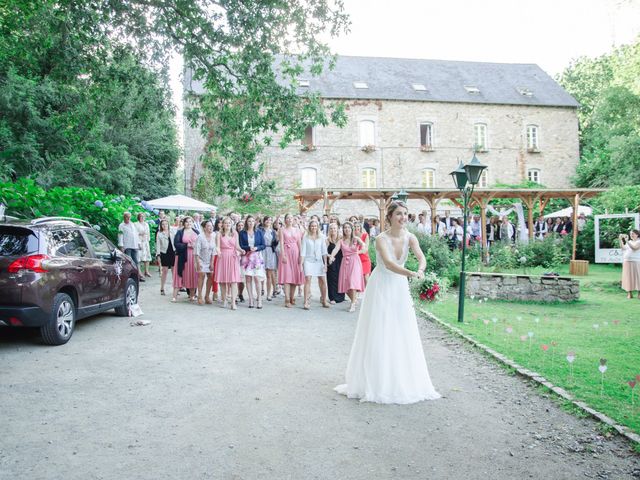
x=350, y=278
x=290, y=272
x=364, y=255
x=184, y=271
x=227, y=272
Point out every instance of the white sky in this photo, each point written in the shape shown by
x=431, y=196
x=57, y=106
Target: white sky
x=549, y=33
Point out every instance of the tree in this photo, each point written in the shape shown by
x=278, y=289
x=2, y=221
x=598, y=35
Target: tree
x=77, y=108
x=248, y=54
x=608, y=90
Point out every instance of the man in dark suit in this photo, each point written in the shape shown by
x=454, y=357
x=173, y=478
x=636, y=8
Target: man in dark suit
x=324, y=226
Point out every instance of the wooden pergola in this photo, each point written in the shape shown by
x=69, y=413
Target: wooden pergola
x=307, y=198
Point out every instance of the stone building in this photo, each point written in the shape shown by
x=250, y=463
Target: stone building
x=410, y=122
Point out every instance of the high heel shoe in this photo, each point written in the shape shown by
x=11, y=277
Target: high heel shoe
x=287, y=304
x=162, y=291
x=259, y=304
x=324, y=303
x=352, y=308
x=225, y=303
x=233, y=306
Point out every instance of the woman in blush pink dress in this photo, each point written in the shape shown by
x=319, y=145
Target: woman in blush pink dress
x=184, y=271
x=290, y=272
x=227, y=272
x=350, y=279
x=359, y=232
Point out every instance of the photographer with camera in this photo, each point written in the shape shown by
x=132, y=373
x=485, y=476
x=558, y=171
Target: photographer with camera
x=630, y=245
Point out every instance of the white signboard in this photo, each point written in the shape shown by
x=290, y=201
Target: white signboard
x=606, y=231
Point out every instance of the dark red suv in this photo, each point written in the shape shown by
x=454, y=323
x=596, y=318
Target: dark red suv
x=56, y=270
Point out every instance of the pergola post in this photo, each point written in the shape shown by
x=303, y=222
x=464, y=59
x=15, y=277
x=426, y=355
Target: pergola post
x=382, y=209
x=576, y=205
x=529, y=202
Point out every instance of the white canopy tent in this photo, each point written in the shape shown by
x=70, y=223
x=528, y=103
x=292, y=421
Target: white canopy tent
x=180, y=202
x=568, y=212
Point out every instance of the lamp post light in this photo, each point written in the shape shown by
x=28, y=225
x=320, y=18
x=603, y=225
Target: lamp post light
x=401, y=196
x=465, y=178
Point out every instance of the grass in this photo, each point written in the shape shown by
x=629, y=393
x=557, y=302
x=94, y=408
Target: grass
x=603, y=324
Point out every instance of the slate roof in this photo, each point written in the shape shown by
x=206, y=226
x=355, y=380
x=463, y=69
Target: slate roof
x=445, y=81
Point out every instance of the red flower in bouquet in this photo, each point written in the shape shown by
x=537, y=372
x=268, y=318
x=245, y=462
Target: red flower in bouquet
x=428, y=289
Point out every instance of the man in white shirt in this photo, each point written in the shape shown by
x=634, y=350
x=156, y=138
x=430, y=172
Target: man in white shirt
x=128, y=239
x=424, y=224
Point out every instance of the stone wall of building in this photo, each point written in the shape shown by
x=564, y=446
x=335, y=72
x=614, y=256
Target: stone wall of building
x=398, y=160
x=502, y=286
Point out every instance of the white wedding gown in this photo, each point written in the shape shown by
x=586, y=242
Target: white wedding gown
x=387, y=363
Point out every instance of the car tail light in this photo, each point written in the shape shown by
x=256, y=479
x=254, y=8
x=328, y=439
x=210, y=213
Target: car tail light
x=15, y=322
x=33, y=263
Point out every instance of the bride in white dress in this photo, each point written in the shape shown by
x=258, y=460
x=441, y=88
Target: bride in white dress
x=387, y=363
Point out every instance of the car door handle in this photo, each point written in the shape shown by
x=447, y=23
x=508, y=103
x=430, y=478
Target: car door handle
x=78, y=269
x=103, y=269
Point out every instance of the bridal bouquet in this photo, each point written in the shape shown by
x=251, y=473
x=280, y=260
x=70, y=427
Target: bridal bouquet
x=428, y=289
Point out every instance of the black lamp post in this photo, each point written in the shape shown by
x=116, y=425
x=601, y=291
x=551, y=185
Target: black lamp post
x=465, y=178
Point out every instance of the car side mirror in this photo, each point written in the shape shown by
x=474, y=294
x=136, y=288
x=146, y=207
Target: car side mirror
x=114, y=255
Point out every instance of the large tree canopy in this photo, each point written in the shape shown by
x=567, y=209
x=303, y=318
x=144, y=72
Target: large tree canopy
x=231, y=46
x=78, y=107
x=608, y=88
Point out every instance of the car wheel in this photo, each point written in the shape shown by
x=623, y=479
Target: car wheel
x=129, y=298
x=62, y=322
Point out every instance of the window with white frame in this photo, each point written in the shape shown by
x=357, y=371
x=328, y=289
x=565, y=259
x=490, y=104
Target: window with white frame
x=367, y=131
x=426, y=135
x=428, y=178
x=532, y=137
x=533, y=175
x=308, y=177
x=480, y=136
x=484, y=179
x=369, y=178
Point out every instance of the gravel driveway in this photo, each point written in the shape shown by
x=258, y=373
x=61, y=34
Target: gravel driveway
x=206, y=393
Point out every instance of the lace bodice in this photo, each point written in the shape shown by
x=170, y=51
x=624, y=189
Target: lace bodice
x=392, y=254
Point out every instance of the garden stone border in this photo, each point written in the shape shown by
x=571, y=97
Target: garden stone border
x=536, y=377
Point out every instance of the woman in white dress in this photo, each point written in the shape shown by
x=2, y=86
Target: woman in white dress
x=270, y=257
x=387, y=363
x=313, y=258
x=144, y=235
x=205, y=257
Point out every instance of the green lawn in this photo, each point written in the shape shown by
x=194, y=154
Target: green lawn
x=603, y=324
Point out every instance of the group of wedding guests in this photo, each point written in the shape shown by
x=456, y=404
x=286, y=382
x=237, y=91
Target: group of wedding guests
x=498, y=228
x=222, y=259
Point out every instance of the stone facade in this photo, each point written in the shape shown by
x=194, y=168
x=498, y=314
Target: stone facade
x=398, y=160
x=502, y=286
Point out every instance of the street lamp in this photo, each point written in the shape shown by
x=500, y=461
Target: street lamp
x=465, y=178
x=401, y=196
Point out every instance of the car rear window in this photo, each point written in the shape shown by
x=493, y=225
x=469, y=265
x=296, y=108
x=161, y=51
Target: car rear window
x=17, y=241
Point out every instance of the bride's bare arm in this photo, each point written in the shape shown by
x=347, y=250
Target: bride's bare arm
x=417, y=251
x=390, y=264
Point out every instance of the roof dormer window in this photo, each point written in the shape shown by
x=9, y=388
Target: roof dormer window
x=419, y=87
x=360, y=85
x=471, y=89
x=525, y=92
x=303, y=83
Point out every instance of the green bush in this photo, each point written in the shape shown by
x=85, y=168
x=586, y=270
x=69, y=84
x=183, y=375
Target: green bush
x=548, y=253
x=26, y=199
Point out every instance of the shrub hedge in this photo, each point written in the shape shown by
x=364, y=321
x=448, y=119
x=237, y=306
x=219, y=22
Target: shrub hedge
x=26, y=199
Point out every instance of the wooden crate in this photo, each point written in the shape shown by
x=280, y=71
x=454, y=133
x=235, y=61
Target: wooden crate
x=579, y=267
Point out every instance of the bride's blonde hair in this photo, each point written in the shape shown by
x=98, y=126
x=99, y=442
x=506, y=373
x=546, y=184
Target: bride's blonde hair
x=393, y=206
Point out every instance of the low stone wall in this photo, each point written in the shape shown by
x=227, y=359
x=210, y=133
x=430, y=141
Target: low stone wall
x=505, y=286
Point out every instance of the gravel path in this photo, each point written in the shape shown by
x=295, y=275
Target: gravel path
x=206, y=393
